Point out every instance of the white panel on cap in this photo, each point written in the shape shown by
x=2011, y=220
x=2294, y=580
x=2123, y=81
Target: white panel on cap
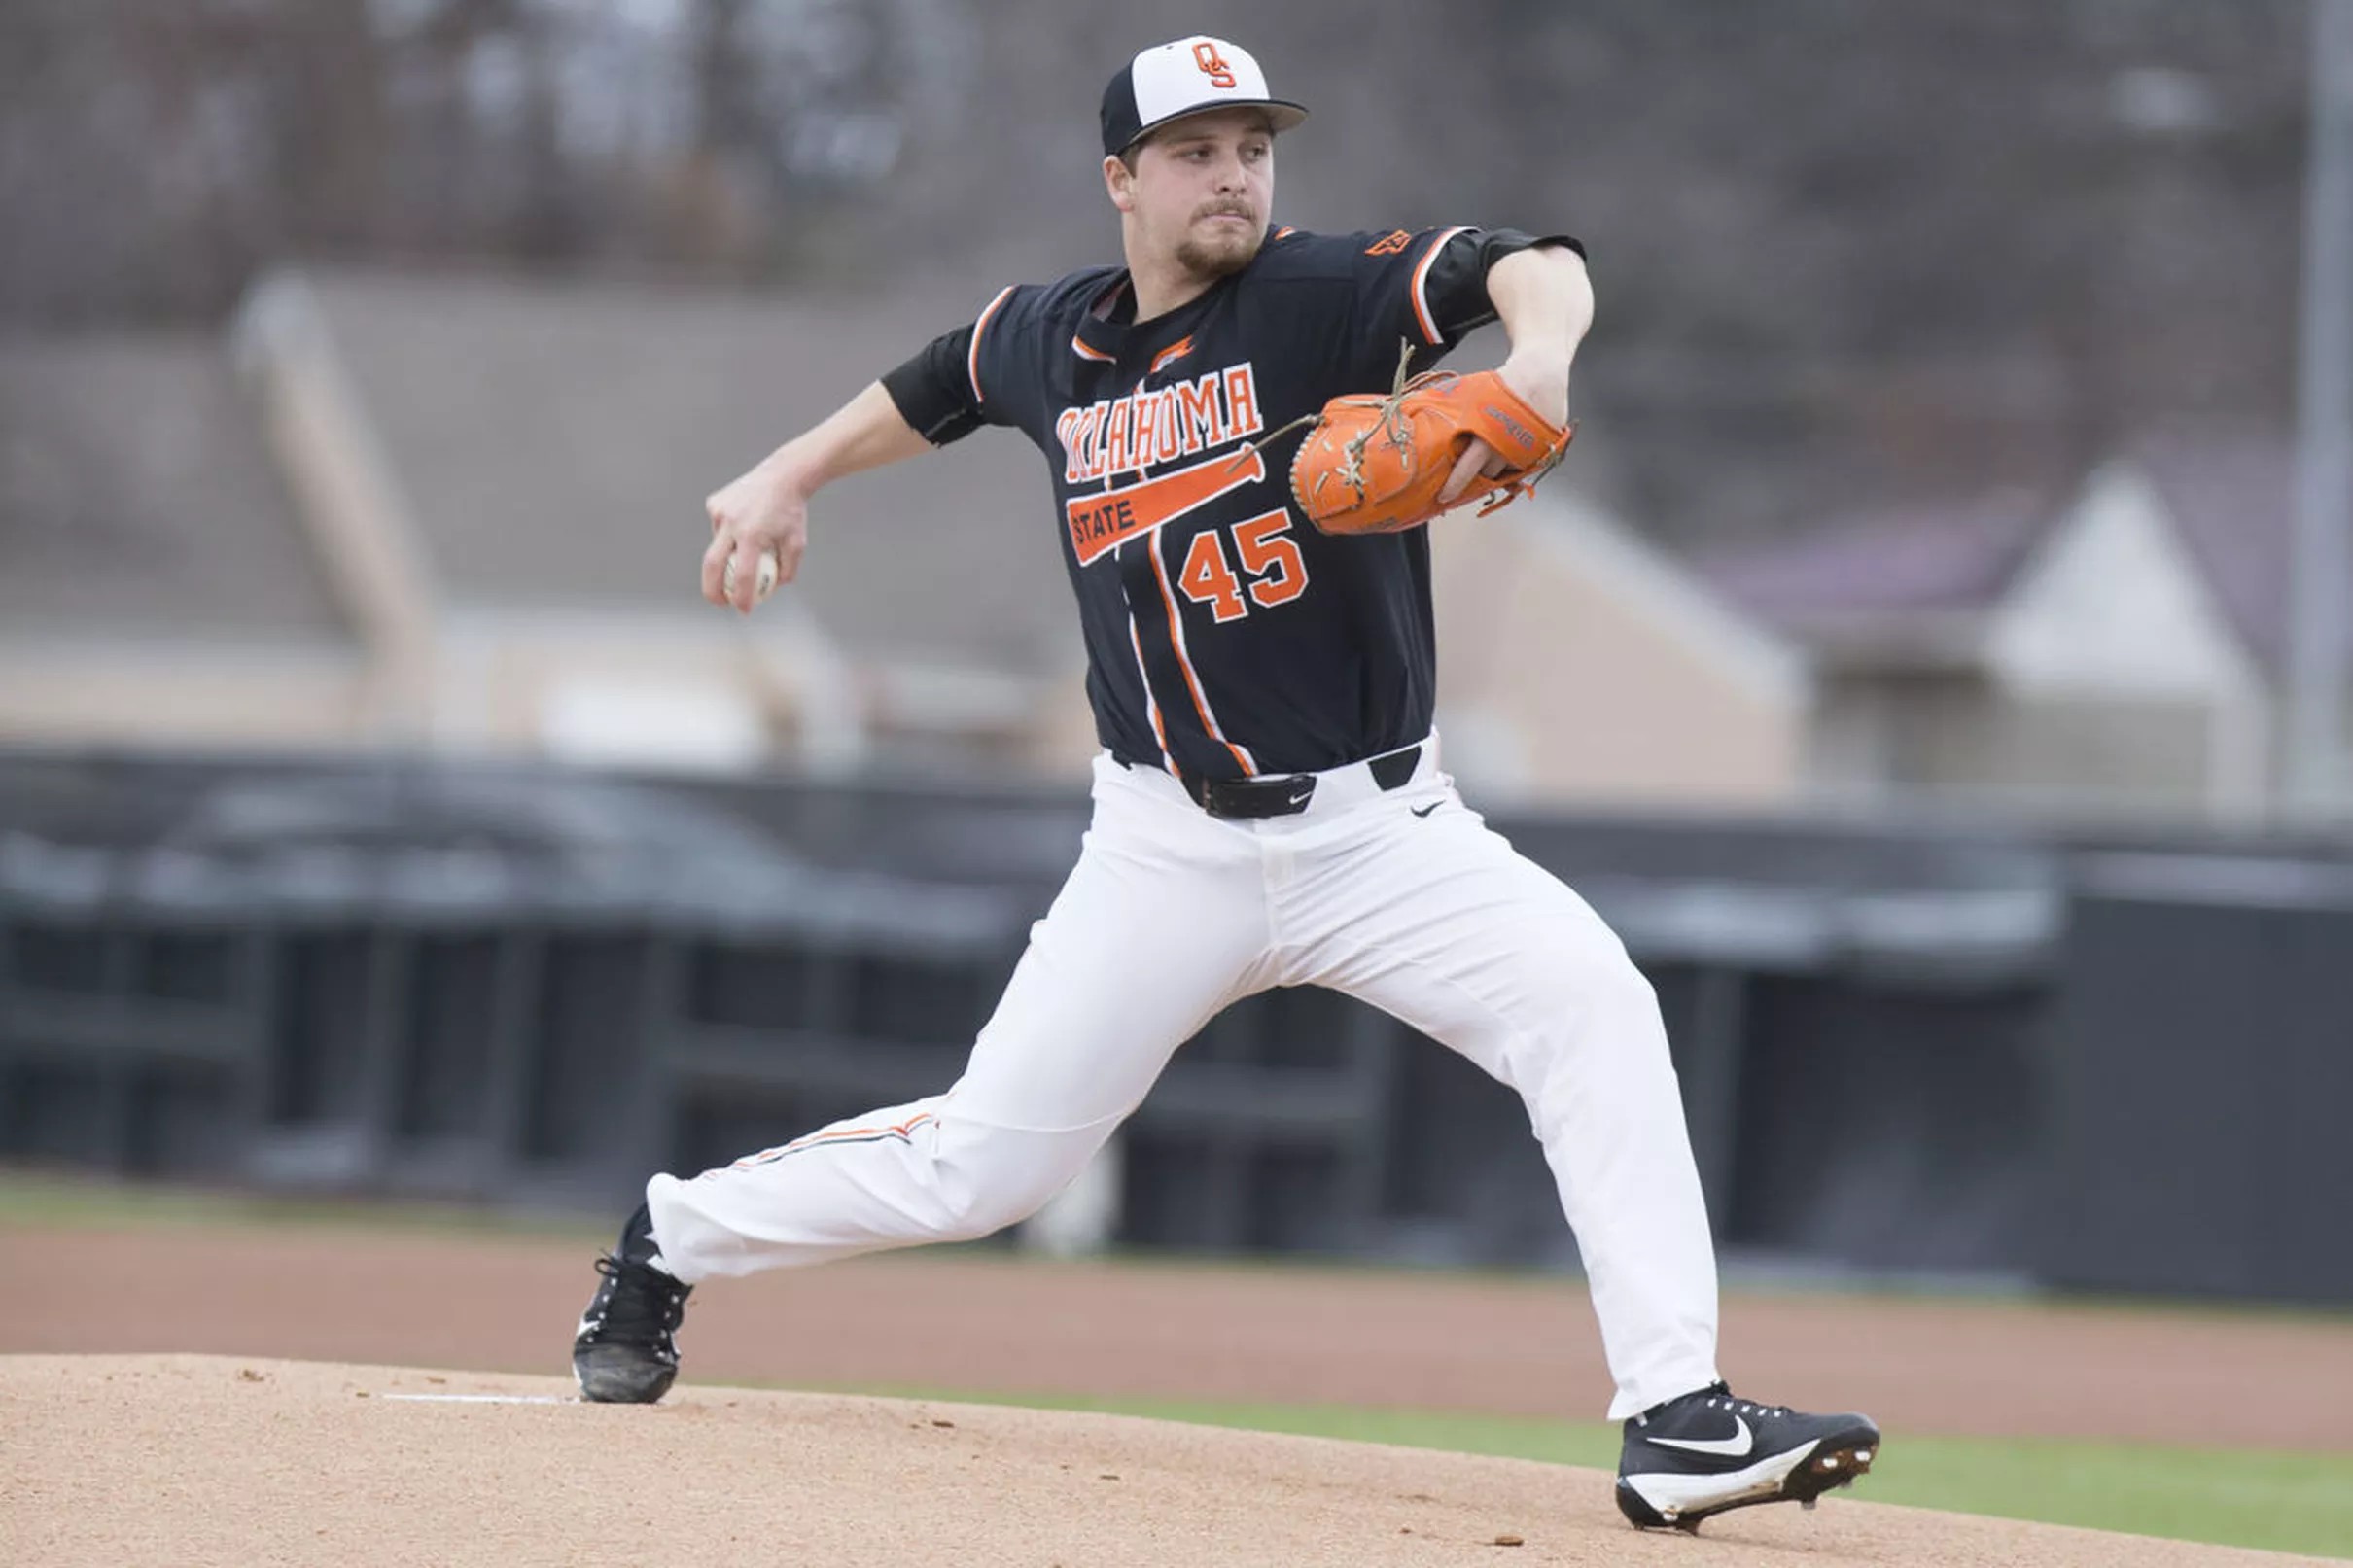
x=1169, y=79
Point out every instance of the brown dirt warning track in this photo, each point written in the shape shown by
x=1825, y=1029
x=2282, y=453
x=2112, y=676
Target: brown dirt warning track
x=120, y=1447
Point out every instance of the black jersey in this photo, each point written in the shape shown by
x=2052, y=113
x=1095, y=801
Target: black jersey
x=1225, y=636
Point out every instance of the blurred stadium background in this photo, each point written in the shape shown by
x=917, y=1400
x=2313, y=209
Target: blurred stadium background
x=1933, y=660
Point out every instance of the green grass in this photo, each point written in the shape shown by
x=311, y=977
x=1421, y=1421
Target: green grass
x=2283, y=1502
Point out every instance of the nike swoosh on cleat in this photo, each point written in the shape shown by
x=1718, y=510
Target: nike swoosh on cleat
x=1424, y=811
x=1732, y=1448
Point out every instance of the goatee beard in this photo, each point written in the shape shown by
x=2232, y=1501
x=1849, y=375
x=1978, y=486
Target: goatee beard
x=1209, y=261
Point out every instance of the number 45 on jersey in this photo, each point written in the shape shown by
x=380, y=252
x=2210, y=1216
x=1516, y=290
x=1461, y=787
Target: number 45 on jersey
x=1270, y=560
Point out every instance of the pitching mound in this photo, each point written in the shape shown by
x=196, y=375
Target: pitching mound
x=117, y=1460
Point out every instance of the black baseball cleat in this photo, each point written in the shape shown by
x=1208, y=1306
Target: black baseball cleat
x=1704, y=1454
x=624, y=1352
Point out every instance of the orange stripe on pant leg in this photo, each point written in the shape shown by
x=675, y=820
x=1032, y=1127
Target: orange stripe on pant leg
x=814, y=1139
x=901, y=1131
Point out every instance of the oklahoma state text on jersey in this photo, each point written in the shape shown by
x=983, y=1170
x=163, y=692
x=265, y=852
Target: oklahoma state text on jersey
x=1158, y=423
x=1225, y=637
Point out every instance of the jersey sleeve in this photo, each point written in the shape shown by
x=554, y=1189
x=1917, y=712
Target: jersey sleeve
x=1429, y=290
x=973, y=377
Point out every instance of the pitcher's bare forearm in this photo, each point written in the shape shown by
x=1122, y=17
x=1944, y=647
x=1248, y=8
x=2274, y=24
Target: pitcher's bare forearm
x=768, y=509
x=865, y=433
x=1546, y=305
x=1545, y=302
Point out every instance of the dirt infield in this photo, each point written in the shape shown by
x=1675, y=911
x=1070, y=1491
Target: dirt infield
x=989, y=1323
x=122, y=1448
x=195, y=1460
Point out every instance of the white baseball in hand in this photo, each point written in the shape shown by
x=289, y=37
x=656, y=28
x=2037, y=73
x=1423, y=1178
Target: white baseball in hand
x=763, y=581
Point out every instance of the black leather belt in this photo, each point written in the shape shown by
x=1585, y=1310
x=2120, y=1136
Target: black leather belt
x=1287, y=795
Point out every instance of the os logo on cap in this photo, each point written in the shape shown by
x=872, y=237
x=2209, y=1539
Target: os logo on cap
x=1186, y=77
x=1213, y=64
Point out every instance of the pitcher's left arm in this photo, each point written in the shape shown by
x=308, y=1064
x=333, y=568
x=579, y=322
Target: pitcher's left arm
x=1545, y=300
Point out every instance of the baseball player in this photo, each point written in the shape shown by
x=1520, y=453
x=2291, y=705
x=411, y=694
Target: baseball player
x=1268, y=804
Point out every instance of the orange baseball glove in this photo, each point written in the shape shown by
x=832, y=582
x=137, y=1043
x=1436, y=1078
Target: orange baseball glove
x=1375, y=465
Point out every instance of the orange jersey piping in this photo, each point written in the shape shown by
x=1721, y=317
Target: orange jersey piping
x=1184, y=660
x=1159, y=731
x=1429, y=326
x=972, y=354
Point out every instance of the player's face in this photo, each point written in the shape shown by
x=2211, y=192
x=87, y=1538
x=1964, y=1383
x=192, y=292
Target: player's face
x=1201, y=191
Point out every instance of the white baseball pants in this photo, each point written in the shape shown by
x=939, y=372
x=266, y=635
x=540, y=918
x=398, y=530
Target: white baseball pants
x=1172, y=914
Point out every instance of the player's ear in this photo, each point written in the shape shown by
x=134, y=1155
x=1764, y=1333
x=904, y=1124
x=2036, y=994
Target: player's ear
x=1120, y=181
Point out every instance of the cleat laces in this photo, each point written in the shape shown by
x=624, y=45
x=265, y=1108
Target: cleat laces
x=643, y=1305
